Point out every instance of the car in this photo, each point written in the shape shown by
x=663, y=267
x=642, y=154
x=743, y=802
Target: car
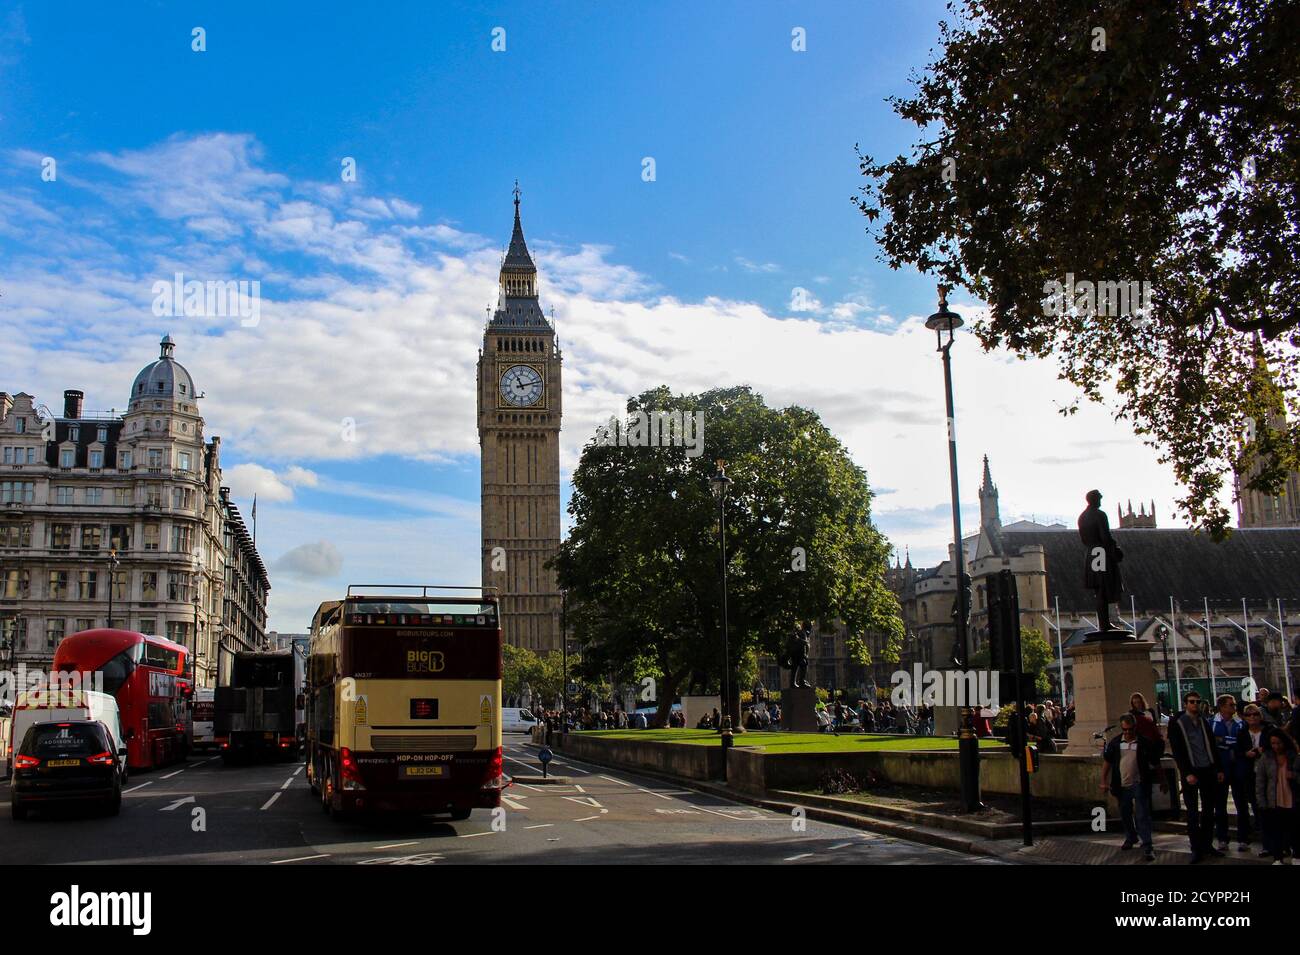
x=69, y=761
x=45, y=707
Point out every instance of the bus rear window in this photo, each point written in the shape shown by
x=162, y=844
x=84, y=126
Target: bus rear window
x=421, y=613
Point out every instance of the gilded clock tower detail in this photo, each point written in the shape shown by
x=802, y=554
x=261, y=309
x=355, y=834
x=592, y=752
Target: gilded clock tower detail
x=519, y=439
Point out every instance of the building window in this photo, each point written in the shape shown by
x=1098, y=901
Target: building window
x=63, y=496
x=124, y=461
x=87, y=585
x=101, y=435
x=119, y=537
x=15, y=584
x=96, y=459
x=61, y=537
x=15, y=535
x=183, y=460
x=149, y=585
x=66, y=458
x=74, y=433
x=53, y=633
x=182, y=540
x=121, y=496
x=121, y=585
x=94, y=495
x=151, y=537
x=17, y=492
x=153, y=494
x=178, y=587
x=85, y=623
x=148, y=625
x=58, y=589
x=13, y=633
x=155, y=460
x=20, y=426
x=92, y=538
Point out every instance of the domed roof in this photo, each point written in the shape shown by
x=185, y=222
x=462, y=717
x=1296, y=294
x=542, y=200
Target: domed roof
x=164, y=378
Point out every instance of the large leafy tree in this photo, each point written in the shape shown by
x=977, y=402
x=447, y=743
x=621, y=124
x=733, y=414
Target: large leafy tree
x=1121, y=140
x=642, y=562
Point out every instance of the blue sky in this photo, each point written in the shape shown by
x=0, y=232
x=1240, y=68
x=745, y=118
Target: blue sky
x=225, y=164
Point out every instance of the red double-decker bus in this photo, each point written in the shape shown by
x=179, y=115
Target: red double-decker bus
x=147, y=676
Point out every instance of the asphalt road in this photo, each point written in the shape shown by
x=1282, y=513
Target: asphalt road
x=204, y=812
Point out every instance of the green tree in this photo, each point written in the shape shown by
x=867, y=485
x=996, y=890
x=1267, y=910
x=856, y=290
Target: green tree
x=1035, y=657
x=1117, y=141
x=642, y=562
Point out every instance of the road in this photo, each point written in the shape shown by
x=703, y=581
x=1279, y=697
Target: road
x=204, y=812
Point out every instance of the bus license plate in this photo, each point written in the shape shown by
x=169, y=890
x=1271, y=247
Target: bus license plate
x=408, y=772
x=64, y=762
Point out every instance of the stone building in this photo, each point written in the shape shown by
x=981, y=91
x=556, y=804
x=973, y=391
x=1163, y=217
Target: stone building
x=519, y=410
x=101, y=510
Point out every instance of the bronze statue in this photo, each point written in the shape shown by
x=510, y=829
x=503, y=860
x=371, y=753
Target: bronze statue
x=1101, y=572
x=797, y=656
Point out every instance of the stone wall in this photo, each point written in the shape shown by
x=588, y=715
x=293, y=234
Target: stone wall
x=674, y=759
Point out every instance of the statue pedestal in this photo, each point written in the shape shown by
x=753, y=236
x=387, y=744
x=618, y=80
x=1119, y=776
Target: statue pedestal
x=799, y=709
x=1106, y=674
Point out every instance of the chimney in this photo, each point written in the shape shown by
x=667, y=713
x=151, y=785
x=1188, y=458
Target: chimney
x=72, y=399
x=6, y=402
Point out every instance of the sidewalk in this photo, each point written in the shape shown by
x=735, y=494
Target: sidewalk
x=973, y=837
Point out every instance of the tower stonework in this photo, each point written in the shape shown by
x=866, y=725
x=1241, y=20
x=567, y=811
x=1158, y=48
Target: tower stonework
x=519, y=409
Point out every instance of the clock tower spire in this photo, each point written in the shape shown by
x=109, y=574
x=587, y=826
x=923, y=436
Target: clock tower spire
x=519, y=408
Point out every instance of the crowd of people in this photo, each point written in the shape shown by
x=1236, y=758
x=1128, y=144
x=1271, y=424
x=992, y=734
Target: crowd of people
x=1251, y=756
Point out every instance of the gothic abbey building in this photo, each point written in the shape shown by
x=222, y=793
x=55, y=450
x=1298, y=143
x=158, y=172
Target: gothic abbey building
x=519, y=410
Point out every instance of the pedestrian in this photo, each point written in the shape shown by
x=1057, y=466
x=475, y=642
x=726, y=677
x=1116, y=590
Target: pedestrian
x=1239, y=774
x=1273, y=709
x=1201, y=773
x=1275, y=793
x=1126, y=774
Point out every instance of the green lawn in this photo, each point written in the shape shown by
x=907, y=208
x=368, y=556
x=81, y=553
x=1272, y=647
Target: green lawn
x=791, y=742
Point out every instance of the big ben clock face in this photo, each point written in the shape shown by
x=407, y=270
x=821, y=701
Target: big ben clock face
x=521, y=386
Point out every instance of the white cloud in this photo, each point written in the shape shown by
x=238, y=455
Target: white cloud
x=245, y=480
x=315, y=561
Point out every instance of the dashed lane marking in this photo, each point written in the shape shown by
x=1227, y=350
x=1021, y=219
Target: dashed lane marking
x=397, y=845
x=267, y=804
x=134, y=788
x=588, y=818
x=300, y=858
x=619, y=781
x=653, y=793
x=177, y=773
x=802, y=855
x=543, y=825
x=471, y=835
x=513, y=804
x=287, y=783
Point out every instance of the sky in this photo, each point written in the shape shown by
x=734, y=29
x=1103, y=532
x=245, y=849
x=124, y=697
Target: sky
x=686, y=177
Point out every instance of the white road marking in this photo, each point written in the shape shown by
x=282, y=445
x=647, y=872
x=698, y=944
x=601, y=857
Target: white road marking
x=586, y=818
x=267, y=804
x=843, y=844
x=544, y=825
x=177, y=773
x=803, y=855
x=579, y=788
x=535, y=789
x=583, y=801
x=471, y=835
x=512, y=804
x=287, y=783
x=397, y=845
x=300, y=858
x=613, y=780
x=134, y=788
x=570, y=766
x=179, y=802
x=653, y=793
x=300, y=769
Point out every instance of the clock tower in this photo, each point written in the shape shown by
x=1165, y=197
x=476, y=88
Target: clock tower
x=519, y=440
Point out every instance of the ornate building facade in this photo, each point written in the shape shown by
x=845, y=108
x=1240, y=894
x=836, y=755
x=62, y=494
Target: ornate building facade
x=519, y=412
x=100, y=510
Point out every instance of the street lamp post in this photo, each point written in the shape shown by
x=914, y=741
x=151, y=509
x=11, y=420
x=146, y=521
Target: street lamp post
x=196, y=600
x=112, y=583
x=564, y=653
x=946, y=320
x=720, y=484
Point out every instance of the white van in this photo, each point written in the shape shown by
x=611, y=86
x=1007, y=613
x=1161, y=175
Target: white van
x=515, y=719
x=35, y=706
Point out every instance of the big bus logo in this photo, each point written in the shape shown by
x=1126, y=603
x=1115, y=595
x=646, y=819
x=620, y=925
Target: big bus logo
x=424, y=661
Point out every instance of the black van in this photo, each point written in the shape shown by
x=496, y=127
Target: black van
x=66, y=761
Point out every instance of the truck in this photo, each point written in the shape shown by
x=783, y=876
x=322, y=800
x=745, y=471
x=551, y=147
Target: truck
x=261, y=713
